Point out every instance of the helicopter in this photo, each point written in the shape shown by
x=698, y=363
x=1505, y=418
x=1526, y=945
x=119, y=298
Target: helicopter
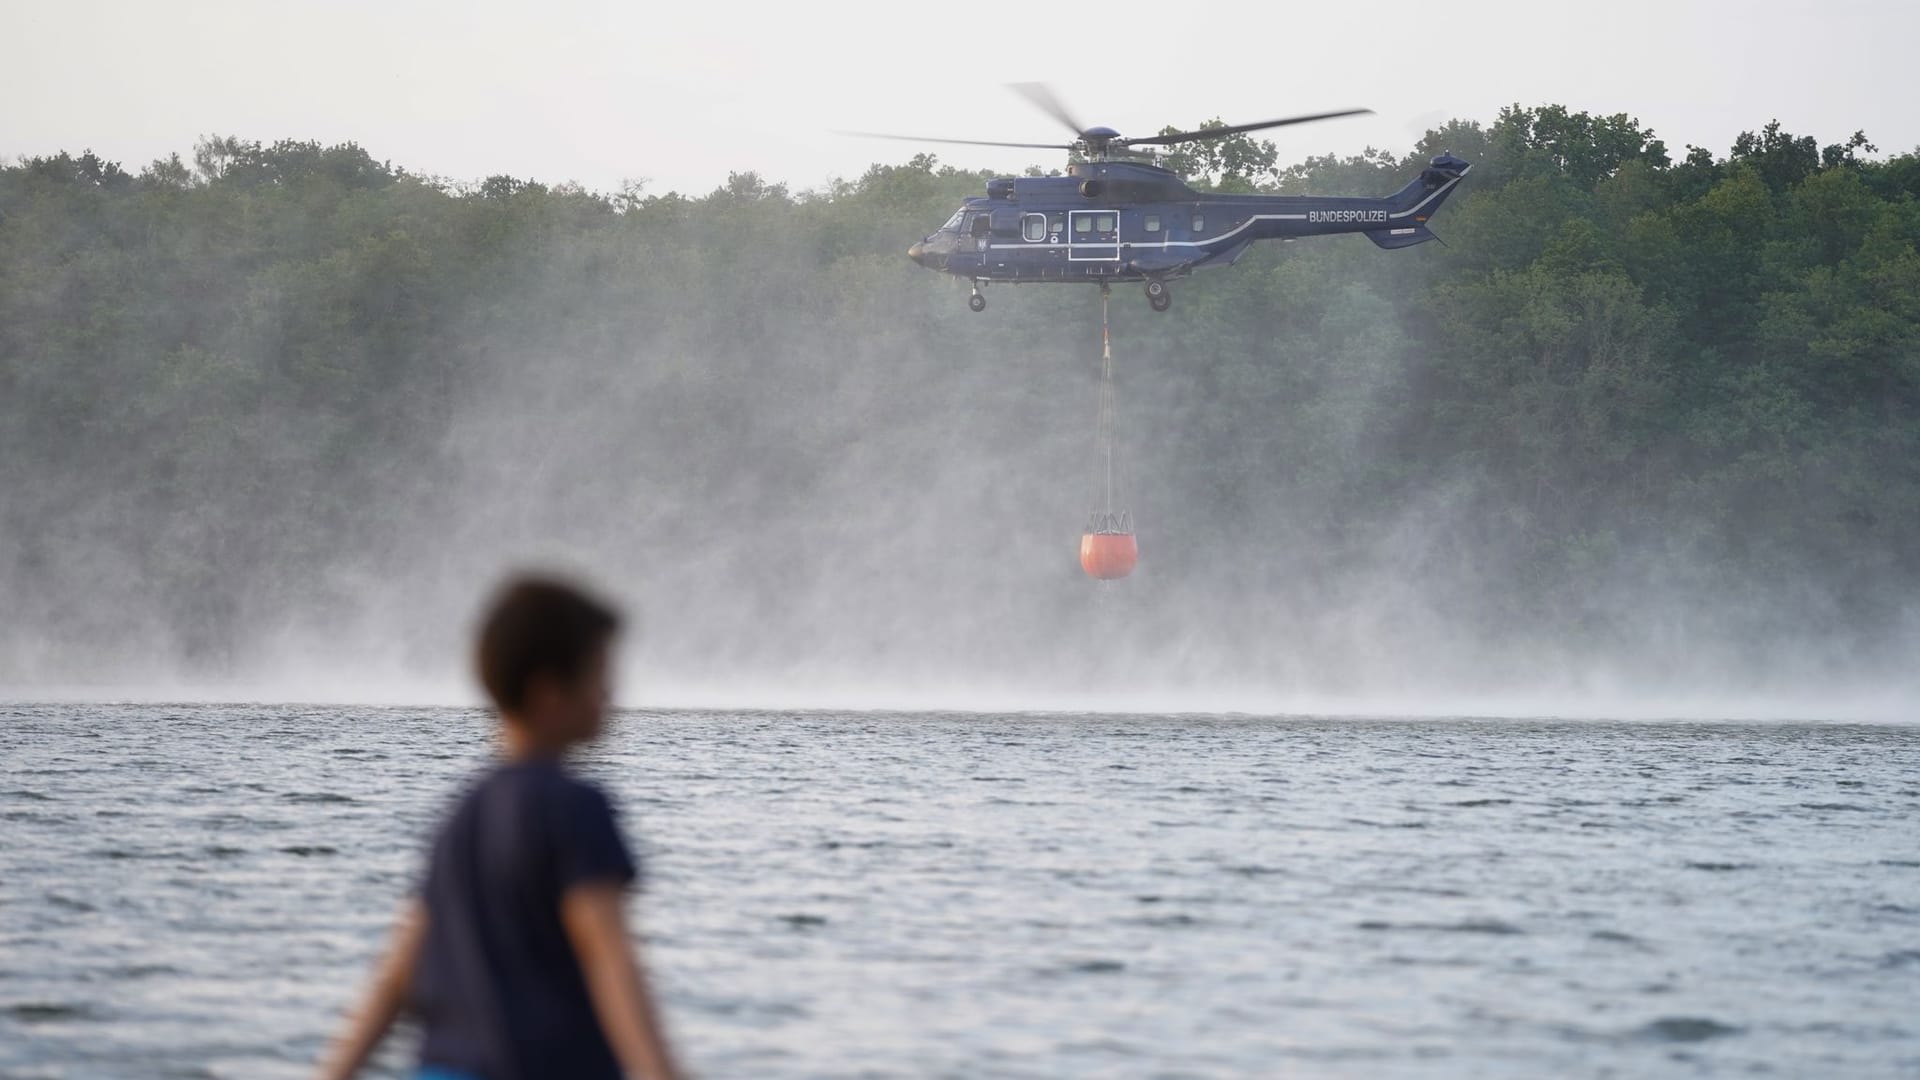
x=1114, y=219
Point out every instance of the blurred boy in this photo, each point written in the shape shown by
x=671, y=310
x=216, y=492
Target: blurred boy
x=515, y=954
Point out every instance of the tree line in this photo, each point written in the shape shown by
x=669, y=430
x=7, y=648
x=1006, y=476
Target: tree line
x=270, y=377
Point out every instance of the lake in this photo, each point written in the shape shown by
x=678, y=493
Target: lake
x=197, y=891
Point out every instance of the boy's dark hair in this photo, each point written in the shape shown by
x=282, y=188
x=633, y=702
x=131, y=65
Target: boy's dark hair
x=539, y=626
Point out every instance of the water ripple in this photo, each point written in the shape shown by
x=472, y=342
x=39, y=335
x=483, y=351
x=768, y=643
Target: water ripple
x=198, y=891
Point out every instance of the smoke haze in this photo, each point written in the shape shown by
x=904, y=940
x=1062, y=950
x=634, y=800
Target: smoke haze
x=274, y=441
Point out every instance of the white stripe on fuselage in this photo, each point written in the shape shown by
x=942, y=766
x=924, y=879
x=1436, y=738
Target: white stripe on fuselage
x=1228, y=235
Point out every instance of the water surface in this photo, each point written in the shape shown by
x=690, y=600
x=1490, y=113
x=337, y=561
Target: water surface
x=196, y=891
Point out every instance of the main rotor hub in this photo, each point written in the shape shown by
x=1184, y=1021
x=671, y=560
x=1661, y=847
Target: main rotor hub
x=1097, y=140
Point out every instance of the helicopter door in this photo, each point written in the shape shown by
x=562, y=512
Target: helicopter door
x=1093, y=235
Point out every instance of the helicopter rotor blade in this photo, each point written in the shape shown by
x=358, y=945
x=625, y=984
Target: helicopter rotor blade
x=1042, y=97
x=1236, y=129
x=956, y=142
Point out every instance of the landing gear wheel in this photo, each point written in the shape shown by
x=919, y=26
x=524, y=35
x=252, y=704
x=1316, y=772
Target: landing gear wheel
x=1160, y=303
x=977, y=302
x=1157, y=295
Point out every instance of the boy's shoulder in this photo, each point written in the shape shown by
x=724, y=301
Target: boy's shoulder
x=538, y=815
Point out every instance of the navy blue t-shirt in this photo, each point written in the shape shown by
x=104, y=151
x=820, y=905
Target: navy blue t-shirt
x=497, y=986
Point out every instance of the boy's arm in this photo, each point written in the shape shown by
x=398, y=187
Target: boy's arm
x=383, y=999
x=594, y=914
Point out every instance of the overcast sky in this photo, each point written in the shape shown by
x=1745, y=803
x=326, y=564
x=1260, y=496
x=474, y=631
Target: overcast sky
x=680, y=94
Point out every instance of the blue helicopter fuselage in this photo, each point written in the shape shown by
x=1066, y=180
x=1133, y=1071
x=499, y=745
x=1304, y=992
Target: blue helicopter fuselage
x=1109, y=221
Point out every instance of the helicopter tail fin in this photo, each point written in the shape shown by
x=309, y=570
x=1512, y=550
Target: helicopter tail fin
x=1416, y=202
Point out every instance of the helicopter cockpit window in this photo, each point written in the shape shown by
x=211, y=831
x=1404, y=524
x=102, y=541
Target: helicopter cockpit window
x=1034, y=227
x=1153, y=223
x=954, y=221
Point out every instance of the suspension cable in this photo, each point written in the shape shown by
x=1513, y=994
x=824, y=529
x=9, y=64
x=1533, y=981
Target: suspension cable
x=1106, y=400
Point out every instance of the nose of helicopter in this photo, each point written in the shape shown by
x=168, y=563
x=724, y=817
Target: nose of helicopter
x=918, y=253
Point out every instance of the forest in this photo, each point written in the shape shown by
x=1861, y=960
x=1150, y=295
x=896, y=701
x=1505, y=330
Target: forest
x=1648, y=415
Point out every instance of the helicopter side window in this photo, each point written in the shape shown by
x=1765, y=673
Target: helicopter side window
x=1057, y=223
x=1199, y=223
x=1104, y=223
x=1153, y=223
x=1083, y=224
x=1034, y=227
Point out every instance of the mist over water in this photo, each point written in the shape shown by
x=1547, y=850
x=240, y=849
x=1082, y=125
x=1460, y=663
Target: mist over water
x=302, y=448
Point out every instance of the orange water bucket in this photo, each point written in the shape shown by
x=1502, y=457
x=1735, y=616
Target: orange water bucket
x=1108, y=556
